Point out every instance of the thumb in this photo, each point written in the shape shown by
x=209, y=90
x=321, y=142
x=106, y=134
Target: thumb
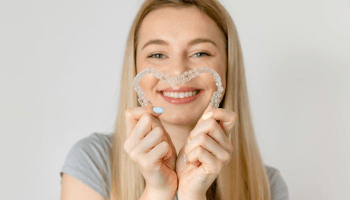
x=209, y=108
x=158, y=110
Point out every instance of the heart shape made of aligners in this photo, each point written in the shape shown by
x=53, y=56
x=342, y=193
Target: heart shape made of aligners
x=179, y=79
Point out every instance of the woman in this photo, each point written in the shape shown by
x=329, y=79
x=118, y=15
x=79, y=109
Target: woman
x=143, y=158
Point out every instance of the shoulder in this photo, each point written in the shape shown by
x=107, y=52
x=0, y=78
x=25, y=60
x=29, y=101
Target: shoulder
x=95, y=147
x=88, y=161
x=95, y=142
x=278, y=186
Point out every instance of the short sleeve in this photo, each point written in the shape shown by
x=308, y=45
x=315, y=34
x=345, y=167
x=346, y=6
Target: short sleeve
x=175, y=197
x=88, y=162
x=278, y=187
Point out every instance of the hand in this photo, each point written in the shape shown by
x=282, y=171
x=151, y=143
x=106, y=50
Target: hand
x=150, y=148
x=208, y=151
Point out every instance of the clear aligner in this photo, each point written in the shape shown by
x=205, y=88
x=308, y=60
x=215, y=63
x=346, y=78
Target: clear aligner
x=179, y=79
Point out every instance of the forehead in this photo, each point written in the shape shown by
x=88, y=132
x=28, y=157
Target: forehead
x=178, y=24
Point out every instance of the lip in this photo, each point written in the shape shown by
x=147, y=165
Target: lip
x=180, y=100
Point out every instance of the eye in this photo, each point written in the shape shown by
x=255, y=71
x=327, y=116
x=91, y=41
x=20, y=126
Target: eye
x=156, y=55
x=198, y=54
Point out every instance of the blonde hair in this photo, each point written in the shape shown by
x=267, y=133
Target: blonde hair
x=244, y=177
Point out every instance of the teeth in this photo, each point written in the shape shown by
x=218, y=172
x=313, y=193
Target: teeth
x=179, y=94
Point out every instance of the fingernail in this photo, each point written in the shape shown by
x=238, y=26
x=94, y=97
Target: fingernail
x=185, y=158
x=158, y=110
x=188, y=141
x=207, y=115
x=210, y=107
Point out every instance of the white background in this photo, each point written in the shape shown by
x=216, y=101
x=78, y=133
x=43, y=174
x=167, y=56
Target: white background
x=60, y=64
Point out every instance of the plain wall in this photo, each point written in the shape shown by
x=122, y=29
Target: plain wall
x=60, y=72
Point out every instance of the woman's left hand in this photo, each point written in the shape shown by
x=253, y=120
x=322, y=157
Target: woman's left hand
x=210, y=148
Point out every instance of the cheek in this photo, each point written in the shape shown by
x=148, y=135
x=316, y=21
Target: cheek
x=140, y=63
x=147, y=83
x=209, y=82
x=219, y=65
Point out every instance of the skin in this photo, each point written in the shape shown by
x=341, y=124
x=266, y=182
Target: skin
x=177, y=27
x=209, y=148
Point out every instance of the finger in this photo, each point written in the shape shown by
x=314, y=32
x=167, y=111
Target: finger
x=133, y=115
x=227, y=118
x=207, y=110
x=206, y=142
x=151, y=140
x=161, y=150
x=208, y=160
x=213, y=130
x=146, y=123
x=151, y=159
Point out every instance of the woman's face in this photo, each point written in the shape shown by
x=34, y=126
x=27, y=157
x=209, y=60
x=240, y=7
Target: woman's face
x=176, y=40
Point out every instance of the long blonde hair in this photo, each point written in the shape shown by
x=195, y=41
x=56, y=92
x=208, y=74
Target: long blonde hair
x=244, y=177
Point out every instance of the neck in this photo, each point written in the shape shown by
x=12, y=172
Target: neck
x=178, y=134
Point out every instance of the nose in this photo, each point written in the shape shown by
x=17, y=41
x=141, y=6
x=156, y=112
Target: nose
x=177, y=67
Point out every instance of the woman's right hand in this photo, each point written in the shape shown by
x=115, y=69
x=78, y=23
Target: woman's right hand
x=150, y=148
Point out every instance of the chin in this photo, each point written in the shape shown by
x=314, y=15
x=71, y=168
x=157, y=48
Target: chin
x=180, y=118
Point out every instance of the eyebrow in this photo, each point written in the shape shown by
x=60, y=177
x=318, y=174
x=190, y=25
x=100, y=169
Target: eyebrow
x=192, y=42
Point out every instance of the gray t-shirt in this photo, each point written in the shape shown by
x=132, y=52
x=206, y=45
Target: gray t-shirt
x=90, y=154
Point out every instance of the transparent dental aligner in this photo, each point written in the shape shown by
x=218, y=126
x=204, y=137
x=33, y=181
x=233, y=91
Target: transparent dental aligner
x=179, y=79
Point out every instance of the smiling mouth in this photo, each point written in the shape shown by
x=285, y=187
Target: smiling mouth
x=181, y=96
